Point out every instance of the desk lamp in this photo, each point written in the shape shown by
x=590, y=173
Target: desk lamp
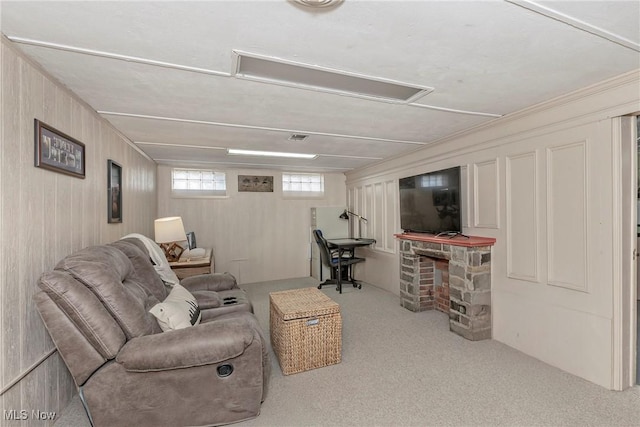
x=169, y=231
x=345, y=215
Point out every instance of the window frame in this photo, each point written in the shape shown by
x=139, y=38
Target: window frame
x=199, y=193
x=301, y=193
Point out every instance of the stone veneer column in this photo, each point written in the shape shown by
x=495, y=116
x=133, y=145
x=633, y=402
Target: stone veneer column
x=469, y=284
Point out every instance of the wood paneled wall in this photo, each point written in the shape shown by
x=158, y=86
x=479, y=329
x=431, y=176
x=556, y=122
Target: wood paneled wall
x=544, y=183
x=46, y=215
x=255, y=236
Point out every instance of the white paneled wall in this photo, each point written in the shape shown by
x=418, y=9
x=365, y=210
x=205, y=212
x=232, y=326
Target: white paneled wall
x=486, y=212
x=377, y=203
x=255, y=236
x=523, y=216
x=542, y=182
x=46, y=215
x=566, y=201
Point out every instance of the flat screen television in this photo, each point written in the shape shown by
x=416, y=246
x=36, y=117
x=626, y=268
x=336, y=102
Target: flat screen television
x=430, y=202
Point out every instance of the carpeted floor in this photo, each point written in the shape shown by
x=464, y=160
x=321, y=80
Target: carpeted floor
x=406, y=369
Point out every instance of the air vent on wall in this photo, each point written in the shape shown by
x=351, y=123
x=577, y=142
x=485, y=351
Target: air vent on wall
x=298, y=137
x=304, y=76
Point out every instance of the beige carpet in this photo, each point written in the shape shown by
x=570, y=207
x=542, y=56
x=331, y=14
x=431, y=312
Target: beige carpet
x=406, y=369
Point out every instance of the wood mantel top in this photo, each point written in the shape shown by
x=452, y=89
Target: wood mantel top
x=469, y=242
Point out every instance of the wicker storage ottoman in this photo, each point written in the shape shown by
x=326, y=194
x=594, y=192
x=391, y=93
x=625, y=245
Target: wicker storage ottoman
x=306, y=329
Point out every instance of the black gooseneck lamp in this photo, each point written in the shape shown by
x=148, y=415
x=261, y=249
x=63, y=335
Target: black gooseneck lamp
x=345, y=215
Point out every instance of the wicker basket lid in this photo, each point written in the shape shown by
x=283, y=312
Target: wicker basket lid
x=301, y=303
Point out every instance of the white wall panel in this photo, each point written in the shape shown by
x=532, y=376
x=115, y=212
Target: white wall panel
x=567, y=233
x=486, y=193
x=46, y=215
x=572, y=339
x=391, y=215
x=522, y=219
x=367, y=211
x=465, y=198
x=378, y=203
x=254, y=236
x=378, y=213
x=356, y=205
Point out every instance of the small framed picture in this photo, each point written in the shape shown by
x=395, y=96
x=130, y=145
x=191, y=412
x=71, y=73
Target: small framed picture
x=191, y=240
x=58, y=152
x=114, y=192
x=255, y=183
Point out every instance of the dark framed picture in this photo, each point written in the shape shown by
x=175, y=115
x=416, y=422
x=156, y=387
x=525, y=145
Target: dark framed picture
x=58, y=152
x=191, y=240
x=114, y=192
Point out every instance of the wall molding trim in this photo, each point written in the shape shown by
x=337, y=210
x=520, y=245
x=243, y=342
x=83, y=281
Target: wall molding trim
x=27, y=371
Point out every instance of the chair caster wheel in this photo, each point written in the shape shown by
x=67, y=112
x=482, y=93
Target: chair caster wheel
x=359, y=286
x=319, y=286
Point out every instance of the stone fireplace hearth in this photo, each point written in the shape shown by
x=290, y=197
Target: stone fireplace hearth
x=450, y=275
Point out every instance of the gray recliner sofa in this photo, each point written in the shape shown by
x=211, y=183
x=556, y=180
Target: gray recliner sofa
x=95, y=305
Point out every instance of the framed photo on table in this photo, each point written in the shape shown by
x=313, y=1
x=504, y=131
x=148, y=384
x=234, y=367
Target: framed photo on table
x=114, y=192
x=58, y=152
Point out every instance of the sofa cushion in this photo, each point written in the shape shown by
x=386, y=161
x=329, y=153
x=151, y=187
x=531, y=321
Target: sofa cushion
x=179, y=310
x=142, y=264
x=158, y=258
x=85, y=311
x=109, y=274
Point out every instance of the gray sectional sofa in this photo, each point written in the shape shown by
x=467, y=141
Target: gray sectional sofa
x=96, y=306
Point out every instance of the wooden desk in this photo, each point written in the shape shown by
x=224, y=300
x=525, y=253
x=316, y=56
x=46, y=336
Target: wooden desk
x=193, y=266
x=341, y=245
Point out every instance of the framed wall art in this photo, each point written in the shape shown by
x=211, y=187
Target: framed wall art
x=58, y=152
x=114, y=192
x=255, y=183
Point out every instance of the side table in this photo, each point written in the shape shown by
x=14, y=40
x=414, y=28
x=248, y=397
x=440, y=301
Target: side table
x=193, y=266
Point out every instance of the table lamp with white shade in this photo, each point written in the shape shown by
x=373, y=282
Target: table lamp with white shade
x=168, y=232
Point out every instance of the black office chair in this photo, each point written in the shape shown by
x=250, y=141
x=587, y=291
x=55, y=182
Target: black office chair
x=330, y=259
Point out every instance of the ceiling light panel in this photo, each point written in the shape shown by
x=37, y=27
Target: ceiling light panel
x=271, y=154
x=304, y=76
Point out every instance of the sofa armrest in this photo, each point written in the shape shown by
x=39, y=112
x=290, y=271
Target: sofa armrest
x=210, y=282
x=203, y=344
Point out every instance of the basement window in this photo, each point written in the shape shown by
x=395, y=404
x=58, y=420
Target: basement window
x=303, y=184
x=198, y=183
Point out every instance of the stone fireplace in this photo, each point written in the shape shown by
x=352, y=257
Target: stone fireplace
x=449, y=275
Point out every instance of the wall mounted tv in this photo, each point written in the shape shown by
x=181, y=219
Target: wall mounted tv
x=430, y=202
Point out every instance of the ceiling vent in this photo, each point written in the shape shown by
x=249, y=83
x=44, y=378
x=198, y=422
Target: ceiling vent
x=304, y=76
x=318, y=3
x=298, y=137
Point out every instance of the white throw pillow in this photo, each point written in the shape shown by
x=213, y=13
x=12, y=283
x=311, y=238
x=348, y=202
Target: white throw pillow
x=178, y=310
